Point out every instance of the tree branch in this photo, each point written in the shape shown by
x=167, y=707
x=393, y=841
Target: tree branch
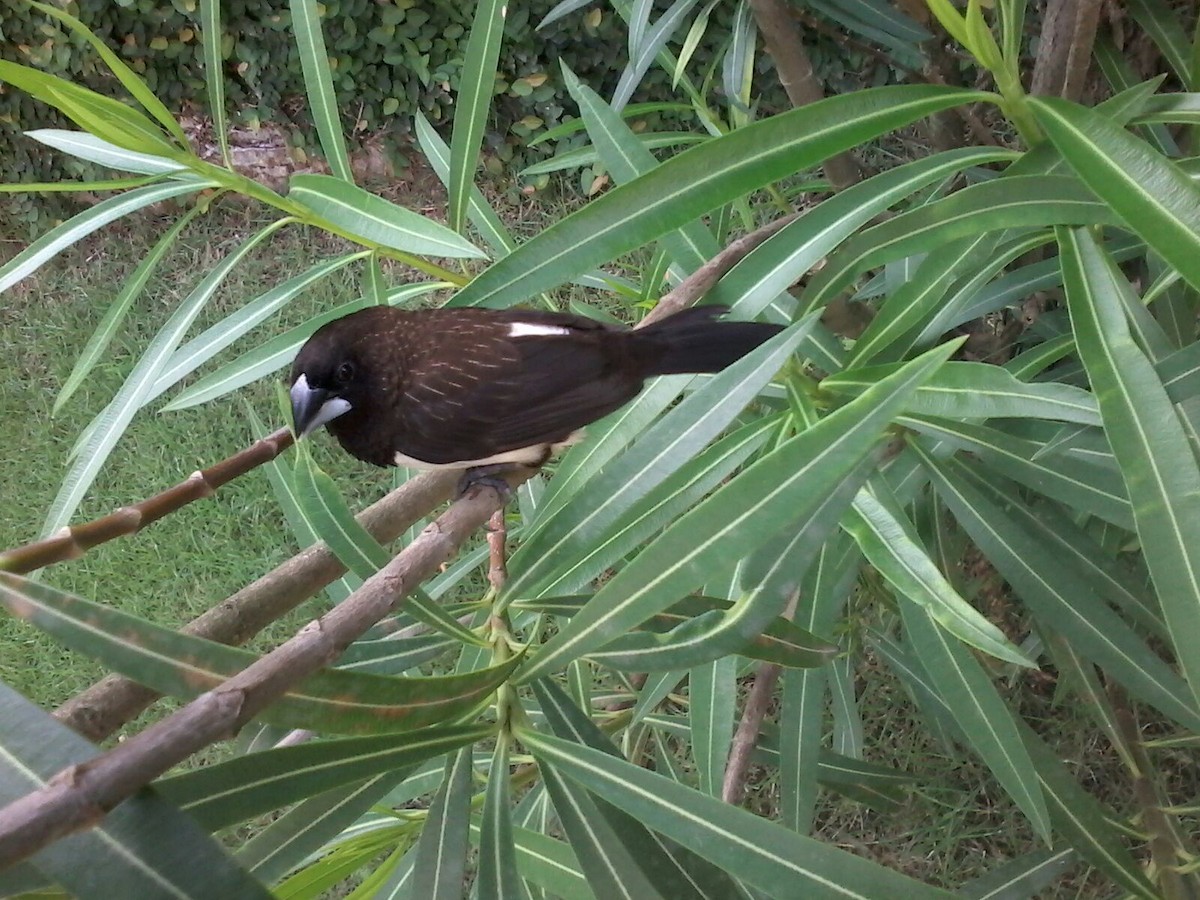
x=108, y=704
x=76, y=797
x=73, y=541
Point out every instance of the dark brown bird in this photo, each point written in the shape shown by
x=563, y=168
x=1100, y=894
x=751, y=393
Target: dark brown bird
x=485, y=389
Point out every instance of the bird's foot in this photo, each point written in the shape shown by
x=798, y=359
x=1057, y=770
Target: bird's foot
x=487, y=476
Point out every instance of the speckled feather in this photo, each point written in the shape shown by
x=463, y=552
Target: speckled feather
x=464, y=386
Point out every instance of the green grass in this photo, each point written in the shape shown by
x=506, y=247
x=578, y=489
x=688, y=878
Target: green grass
x=182, y=565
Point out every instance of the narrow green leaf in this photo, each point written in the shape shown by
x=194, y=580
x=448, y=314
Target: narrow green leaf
x=181, y=665
x=78, y=227
x=700, y=179
x=70, y=187
x=847, y=720
x=643, y=51
x=442, y=851
x=971, y=390
x=1046, y=581
x=633, y=110
x=103, y=116
x=758, y=852
x=605, y=861
x=284, y=488
x=277, y=352
x=695, y=34
x=890, y=543
x=374, y=283
x=212, y=38
x=575, y=566
x=780, y=488
x=233, y=791
x=677, y=873
x=307, y=827
x=1169, y=34
x=318, y=84
x=823, y=594
x=143, y=848
x=1147, y=439
x=1085, y=824
x=768, y=580
x=1153, y=197
x=1012, y=202
x=98, y=343
x=376, y=220
x=128, y=78
x=1072, y=477
x=497, y=875
x=860, y=781
x=910, y=306
x=980, y=712
x=586, y=156
x=777, y=263
x=547, y=863
x=394, y=656
x=712, y=696
x=1022, y=877
x=94, y=149
x=115, y=418
x=626, y=158
x=323, y=506
x=780, y=642
x=216, y=338
x=659, y=452
x=476, y=85
x=494, y=232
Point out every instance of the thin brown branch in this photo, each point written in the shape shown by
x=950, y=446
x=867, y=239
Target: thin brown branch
x=73, y=541
x=497, y=539
x=700, y=282
x=1165, y=843
x=745, y=739
x=1065, y=48
x=75, y=797
x=108, y=704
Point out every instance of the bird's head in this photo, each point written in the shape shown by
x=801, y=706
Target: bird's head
x=329, y=379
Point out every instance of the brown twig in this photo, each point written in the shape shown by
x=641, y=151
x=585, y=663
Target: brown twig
x=497, y=539
x=745, y=739
x=76, y=797
x=700, y=282
x=108, y=704
x=1163, y=840
x=73, y=541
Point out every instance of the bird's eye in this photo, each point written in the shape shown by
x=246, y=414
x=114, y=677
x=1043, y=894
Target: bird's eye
x=344, y=373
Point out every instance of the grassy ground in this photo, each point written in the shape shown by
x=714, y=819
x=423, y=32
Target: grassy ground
x=177, y=568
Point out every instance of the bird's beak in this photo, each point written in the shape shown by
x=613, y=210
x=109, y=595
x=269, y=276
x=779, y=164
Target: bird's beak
x=313, y=407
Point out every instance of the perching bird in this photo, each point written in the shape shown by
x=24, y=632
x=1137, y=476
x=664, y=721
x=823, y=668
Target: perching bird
x=488, y=390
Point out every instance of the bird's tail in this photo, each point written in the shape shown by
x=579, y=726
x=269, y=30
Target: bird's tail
x=694, y=341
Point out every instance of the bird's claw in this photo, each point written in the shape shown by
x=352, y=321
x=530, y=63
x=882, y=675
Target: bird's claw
x=486, y=476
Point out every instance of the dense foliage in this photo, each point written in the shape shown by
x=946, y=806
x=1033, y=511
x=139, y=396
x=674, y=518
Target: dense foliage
x=1016, y=404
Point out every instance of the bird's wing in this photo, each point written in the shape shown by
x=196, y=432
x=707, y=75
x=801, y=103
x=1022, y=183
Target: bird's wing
x=512, y=393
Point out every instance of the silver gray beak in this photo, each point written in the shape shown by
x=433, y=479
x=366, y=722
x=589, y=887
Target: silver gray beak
x=313, y=407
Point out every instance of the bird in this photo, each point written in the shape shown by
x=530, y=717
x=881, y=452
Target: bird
x=486, y=390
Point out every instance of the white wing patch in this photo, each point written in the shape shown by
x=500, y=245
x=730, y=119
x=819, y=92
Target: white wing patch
x=529, y=329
